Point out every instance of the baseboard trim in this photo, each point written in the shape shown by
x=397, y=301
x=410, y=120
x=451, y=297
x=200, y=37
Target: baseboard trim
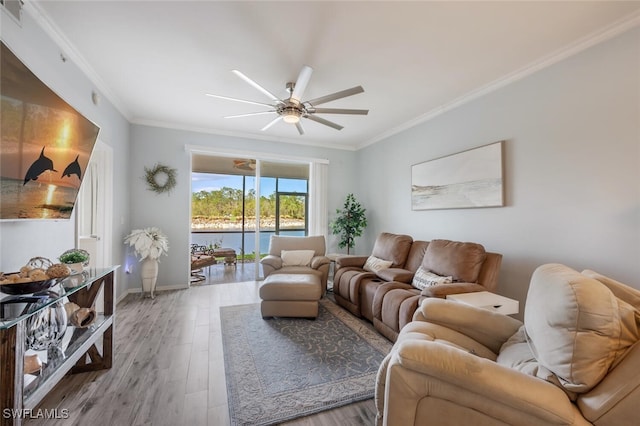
x=158, y=289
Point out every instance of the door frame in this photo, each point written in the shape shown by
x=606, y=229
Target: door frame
x=306, y=208
x=247, y=154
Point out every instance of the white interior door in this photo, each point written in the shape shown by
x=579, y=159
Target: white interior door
x=87, y=224
x=94, y=213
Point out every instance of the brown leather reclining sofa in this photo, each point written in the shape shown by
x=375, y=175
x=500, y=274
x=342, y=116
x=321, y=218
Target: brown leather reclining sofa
x=387, y=297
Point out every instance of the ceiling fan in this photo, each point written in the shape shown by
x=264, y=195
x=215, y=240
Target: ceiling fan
x=292, y=109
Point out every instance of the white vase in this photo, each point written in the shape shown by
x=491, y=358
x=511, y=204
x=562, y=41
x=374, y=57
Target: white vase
x=149, y=274
x=76, y=268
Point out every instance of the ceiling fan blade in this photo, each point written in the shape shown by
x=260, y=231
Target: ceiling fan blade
x=250, y=114
x=278, y=118
x=300, y=128
x=238, y=100
x=323, y=121
x=339, y=111
x=337, y=95
x=301, y=83
x=257, y=86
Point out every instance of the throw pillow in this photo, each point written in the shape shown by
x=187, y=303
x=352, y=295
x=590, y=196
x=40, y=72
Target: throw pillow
x=425, y=278
x=296, y=257
x=373, y=264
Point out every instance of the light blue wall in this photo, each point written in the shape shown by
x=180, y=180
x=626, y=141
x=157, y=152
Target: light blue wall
x=170, y=212
x=572, y=169
x=22, y=240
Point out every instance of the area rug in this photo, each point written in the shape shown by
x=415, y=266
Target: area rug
x=284, y=368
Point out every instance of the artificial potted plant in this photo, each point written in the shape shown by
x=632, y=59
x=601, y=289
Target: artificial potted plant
x=349, y=223
x=75, y=259
x=149, y=244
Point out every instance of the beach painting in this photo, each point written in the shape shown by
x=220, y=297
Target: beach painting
x=466, y=179
x=45, y=146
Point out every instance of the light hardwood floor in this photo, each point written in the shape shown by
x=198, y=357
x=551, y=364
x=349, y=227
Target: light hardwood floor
x=168, y=367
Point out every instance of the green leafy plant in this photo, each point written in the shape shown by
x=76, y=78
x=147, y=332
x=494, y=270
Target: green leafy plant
x=216, y=244
x=74, y=256
x=349, y=223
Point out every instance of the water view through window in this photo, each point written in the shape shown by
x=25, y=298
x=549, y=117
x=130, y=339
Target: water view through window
x=223, y=210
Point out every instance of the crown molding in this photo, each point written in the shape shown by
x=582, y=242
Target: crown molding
x=53, y=31
x=625, y=24
x=606, y=33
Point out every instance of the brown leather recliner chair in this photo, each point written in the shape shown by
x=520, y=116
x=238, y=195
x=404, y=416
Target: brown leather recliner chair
x=471, y=267
x=354, y=288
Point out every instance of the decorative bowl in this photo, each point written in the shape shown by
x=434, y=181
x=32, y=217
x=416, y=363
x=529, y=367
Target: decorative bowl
x=28, y=287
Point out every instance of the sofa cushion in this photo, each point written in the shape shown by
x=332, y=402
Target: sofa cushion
x=516, y=354
x=462, y=261
x=296, y=257
x=393, y=247
x=277, y=243
x=373, y=264
x=425, y=278
x=620, y=290
x=415, y=256
x=576, y=326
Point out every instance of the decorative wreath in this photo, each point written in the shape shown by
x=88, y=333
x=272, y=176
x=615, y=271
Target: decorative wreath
x=160, y=178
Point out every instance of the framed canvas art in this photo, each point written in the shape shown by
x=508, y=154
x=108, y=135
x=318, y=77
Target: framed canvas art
x=467, y=179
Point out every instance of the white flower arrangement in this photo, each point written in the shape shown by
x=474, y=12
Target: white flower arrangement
x=148, y=243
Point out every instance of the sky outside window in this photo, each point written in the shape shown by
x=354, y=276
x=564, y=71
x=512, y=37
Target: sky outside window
x=212, y=182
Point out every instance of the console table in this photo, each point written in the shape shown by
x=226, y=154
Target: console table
x=88, y=349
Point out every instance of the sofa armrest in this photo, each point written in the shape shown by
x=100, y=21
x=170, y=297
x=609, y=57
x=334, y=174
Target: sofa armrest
x=486, y=327
x=393, y=285
x=270, y=264
x=396, y=274
x=274, y=261
x=318, y=261
x=382, y=291
x=443, y=290
x=615, y=397
x=426, y=369
x=353, y=261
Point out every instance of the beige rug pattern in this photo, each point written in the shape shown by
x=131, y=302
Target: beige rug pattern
x=285, y=368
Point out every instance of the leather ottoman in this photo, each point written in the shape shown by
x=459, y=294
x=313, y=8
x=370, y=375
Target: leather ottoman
x=290, y=295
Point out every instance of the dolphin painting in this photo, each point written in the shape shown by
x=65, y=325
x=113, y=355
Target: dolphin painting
x=73, y=169
x=41, y=165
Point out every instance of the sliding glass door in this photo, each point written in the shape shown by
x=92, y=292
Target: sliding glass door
x=240, y=203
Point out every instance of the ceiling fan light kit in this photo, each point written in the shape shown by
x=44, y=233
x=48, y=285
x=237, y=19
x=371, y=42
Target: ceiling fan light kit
x=292, y=109
x=291, y=116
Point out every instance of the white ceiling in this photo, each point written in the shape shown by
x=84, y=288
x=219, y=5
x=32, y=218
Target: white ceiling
x=155, y=60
